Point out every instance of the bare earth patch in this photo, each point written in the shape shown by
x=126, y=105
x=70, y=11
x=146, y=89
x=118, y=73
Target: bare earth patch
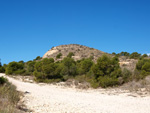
x=45, y=98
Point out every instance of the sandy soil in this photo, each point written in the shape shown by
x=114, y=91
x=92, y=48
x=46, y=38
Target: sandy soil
x=42, y=98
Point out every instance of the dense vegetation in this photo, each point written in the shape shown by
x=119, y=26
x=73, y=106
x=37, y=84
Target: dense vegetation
x=133, y=55
x=2, y=68
x=142, y=68
x=104, y=73
x=9, y=97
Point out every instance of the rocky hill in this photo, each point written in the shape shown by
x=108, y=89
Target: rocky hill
x=79, y=52
x=127, y=63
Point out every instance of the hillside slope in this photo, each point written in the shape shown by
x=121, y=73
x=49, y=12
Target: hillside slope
x=79, y=52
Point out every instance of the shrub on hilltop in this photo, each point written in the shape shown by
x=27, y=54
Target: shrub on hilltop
x=59, y=55
x=135, y=55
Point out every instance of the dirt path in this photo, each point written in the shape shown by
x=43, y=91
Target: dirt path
x=56, y=99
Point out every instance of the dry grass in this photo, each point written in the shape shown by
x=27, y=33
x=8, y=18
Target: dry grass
x=141, y=87
x=9, y=98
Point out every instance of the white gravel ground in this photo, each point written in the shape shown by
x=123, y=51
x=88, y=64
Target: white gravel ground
x=44, y=98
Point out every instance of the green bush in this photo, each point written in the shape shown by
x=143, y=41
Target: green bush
x=38, y=66
x=146, y=67
x=122, y=54
x=126, y=75
x=2, y=69
x=137, y=75
x=144, y=55
x=58, y=69
x=106, y=66
x=116, y=73
x=47, y=61
x=84, y=66
x=69, y=66
x=106, y=81
x=143, y=66
x=94, y=83
x=47, y=69
x=59, y=55
x=106, y=72
x=19, y=72
x=70, y=55
x=38, y=75
x=113, y=53
x=30, y=66
x=27, y=73
x=37, y=58
x=3, y=80
x=135, y=55
x=15, y=68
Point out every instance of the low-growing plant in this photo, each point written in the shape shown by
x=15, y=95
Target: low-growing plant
x=9, y=98
x=70, y=55
x=137, y=75
x=94, y=83
x=3, y=80
x=59, y=55
x=80, y=78
x=126, y=75
x=106, y=81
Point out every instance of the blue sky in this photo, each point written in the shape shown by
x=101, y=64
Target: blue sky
x=28, y=28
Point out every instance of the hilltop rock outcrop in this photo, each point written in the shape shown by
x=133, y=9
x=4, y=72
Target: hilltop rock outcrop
x=79, y=52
